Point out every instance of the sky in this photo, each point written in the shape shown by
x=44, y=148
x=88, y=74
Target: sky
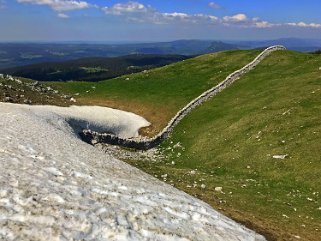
x=158, y=20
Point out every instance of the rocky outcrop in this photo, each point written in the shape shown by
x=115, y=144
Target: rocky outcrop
x=24, y=91
x=147, y=143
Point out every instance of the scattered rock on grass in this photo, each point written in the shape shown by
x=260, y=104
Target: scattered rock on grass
x=218, y=189
x=280, y=156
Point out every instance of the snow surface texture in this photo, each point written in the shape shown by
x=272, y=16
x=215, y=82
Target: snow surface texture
x=53, y=186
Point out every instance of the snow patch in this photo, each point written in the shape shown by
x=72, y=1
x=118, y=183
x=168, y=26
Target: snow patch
x=101, y=119
x=77, y=192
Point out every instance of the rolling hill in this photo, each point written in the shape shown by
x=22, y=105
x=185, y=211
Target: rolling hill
x=158, y=94
x=253, y=151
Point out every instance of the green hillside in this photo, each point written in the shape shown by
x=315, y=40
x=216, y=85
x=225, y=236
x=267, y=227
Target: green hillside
x=229, y=148
x=159, y=93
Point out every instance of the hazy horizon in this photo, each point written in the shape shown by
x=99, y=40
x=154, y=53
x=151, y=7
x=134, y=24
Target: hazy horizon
x=148, y=41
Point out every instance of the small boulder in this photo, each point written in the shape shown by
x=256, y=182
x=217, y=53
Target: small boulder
x=218, y=189
x=280, y=156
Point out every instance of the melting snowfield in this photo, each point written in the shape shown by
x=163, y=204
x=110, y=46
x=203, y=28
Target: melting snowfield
x=53, y=186
x=100, y=119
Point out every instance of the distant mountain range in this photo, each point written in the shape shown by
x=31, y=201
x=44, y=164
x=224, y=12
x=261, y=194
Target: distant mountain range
x=93, y=67
x=301, y=45
x=19, y=54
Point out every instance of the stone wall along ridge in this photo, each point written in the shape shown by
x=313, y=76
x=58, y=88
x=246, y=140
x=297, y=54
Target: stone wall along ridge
x=143, y=143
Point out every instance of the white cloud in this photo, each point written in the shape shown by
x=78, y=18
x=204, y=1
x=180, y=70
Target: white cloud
x=134, y=11
x=138, y=12
x=189, y=18
x=305, y=25
x=263, y=24
x=59, y=5
x=130, y=7
x=214, y=5
x=236, y=18
x=241, y=20
x=176, y=15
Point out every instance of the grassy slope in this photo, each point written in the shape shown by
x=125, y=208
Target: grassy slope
x=275, y=109
x=231, y=139
x=158, y=94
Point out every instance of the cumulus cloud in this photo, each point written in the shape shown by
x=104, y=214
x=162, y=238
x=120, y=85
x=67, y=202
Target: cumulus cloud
x=214, y=5
x=263, y=24
x=138, y=12
x=59, y=5
x=236, y=18
x=305, y=25
x=193, y=18
x=135, y=11
x=244, y=21
x=130, y=7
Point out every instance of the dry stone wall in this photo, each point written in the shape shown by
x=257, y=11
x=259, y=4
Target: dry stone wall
x=142, y=143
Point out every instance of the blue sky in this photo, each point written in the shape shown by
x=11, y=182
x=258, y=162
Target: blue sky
x=158, y=20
